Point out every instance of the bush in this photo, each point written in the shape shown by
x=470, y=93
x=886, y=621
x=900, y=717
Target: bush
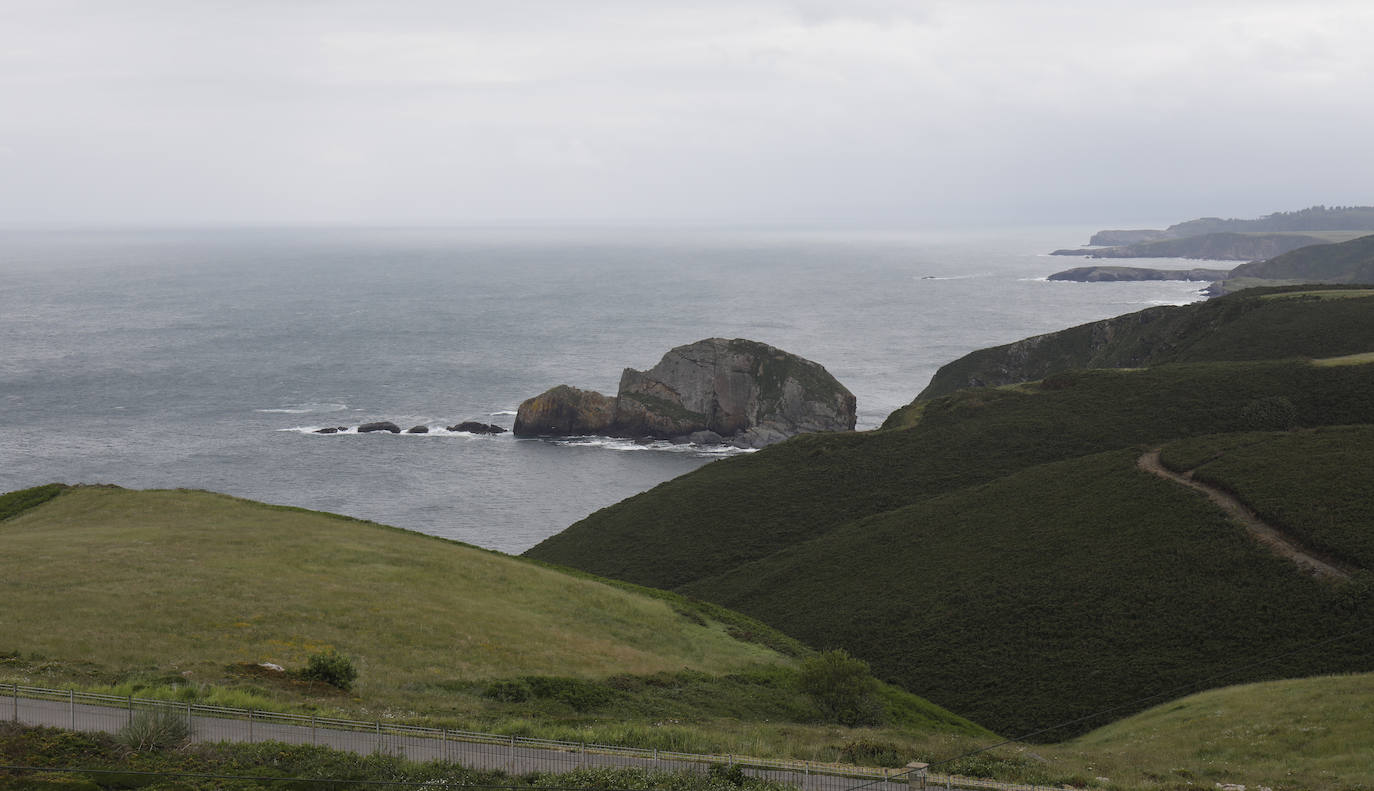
x=332, y=668
x=1269, y=413
x=508, y=690
x=732, y=774
x=864, y=752
x=581, y=695
x=156, y=729
x=841, y=687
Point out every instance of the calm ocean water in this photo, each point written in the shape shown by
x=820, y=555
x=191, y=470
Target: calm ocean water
x=202, y=359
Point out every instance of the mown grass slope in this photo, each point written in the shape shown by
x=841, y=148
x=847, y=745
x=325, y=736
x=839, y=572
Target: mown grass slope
x=1309, y=733
x=200, y=580
x=182, y=592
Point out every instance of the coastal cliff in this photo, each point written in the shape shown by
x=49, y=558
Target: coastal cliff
x=738, y=391
x=1221, y=246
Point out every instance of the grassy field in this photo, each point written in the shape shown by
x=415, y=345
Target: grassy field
x=1296, y=735
x=1349, y=359
x=181, y=593
x=333, y=769
x=1311, y=733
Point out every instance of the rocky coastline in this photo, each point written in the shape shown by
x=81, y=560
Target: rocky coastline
x=715, y=391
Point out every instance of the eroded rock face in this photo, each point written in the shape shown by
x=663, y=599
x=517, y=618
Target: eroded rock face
x=748, y=393
x=565, y=411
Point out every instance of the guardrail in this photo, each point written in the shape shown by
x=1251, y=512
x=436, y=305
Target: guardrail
x=92, y=711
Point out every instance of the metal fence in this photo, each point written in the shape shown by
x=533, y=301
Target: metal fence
x=88, y=711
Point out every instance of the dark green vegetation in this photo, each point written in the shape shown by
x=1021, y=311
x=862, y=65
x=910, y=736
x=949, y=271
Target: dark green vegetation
x=45, y=747
x=1314, y=218
x=1258, y=324
x=1317, y=220
x=15, y=503
x=999, y=552
x=1348, y=262
x=1329, y=507
x=1218, y=246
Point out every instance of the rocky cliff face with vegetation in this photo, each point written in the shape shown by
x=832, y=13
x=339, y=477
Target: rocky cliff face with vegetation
x=738, y=391
x=1247, y=326
x=1219, y=246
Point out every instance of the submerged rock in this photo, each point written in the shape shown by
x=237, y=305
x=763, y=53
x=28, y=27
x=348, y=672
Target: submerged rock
x=331, y=430
x=744, y=392
x=418, y=430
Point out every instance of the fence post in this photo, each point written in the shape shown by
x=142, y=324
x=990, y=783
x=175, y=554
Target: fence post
x=71, y=706
x=379, y=735
x=131, y=710
x=16, y=702
x=313, y=738
x=250, y=725
x=916, y=775
x=188, y=717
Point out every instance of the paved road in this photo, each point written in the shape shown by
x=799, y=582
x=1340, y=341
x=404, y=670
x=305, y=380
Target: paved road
x=516, y=759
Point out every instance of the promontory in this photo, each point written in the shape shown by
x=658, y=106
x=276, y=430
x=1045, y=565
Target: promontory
x=738, y=392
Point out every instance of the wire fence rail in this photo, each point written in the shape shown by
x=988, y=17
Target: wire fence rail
x=92, y=711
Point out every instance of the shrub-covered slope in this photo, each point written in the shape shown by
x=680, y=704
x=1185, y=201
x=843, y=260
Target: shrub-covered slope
x=1053, y=593
x=1347, y=262
x=728, y=513
x=1315, y=485
x=1258, y=324
x=1001, y=554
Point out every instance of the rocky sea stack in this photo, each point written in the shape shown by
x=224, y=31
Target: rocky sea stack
x=739, y=392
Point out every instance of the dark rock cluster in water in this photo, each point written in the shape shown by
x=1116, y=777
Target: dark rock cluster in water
x=469, y=426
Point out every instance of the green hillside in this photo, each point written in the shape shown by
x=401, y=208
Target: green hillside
x=1347, y=262
x=728, y=513
x=1053, y=593
x=1258, y=324
x=1328, y=506
x=1306, y=733
x=998, y=551
x=183, y=593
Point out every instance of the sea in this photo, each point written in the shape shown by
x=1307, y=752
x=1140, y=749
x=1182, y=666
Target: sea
x=207, y=358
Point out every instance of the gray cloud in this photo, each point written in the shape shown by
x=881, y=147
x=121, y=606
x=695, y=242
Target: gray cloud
x=806, y=111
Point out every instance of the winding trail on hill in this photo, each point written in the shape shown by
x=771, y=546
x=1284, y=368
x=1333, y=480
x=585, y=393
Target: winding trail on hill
x=1271, y=537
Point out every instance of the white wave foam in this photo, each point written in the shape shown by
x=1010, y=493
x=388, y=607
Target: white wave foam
x=305, y=409
x=949, y=277
x=434, y=431
x=629, y=446
x=512, y=413
x=315, y=429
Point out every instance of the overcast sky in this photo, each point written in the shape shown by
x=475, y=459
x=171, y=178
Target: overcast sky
x=843, y=112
